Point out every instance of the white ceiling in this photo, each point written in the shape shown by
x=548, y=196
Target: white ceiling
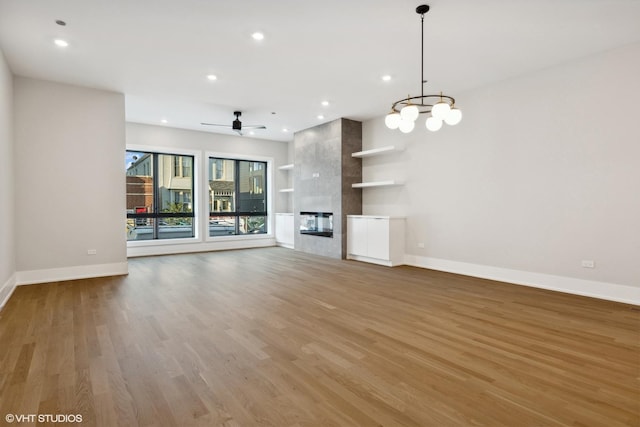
x=159, y=52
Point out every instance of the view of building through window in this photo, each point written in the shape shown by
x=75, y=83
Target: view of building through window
x=159, y=196
x=237, y=197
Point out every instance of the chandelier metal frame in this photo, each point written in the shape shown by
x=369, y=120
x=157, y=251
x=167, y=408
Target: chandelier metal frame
x=422, y=106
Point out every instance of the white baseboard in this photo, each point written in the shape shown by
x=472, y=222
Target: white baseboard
x=31, y=277
x=7, y=289
x=386, y=263
x=588, y=288
x=284, y=244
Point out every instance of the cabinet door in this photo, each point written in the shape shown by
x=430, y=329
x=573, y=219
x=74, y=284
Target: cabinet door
x=279, y=228
x=357, y=236
x=378, y=238
x=287, y=232
x=284, y=229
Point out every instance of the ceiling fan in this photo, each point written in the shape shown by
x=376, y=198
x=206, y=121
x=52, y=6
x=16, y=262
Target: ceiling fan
x=236, y=125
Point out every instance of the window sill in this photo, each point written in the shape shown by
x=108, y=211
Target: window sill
x=178, y=246
x=162, y=242
x=233, y=237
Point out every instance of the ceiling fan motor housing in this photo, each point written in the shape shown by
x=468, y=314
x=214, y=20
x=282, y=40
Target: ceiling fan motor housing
x=237, y=124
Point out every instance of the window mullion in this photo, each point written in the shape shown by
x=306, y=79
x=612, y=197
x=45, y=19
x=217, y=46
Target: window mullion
x=156, y=196
x=236, y=171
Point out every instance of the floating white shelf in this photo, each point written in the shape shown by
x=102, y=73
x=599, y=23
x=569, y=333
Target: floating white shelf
x=286, y=168
x=390, y=183
x=377, y=151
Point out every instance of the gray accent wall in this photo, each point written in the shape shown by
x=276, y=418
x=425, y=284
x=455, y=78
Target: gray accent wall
x=323, y=173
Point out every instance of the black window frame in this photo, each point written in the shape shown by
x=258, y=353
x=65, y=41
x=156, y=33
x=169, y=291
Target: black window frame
x=238, y=214
x=157, y=213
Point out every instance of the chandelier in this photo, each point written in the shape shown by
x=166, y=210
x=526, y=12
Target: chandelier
x=405, y=112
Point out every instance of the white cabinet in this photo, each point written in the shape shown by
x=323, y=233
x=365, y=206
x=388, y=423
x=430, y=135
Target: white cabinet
x=356, y=236
x=284, y=230
x=376, y=239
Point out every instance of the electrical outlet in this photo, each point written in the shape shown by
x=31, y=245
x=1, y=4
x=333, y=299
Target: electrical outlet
x=588, y=263
x=92, y=251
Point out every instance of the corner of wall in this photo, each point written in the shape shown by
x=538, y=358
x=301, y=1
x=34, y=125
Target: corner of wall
x=7, y=181
x=6, y=290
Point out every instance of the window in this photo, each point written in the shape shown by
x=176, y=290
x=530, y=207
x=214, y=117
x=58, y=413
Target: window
x=159, y=196
x=182, y=166
x=187, y=163
x=237, y=197
x=219, y=169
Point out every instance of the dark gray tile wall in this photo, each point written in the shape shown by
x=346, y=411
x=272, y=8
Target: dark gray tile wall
x=351, y=173
x=323, y=173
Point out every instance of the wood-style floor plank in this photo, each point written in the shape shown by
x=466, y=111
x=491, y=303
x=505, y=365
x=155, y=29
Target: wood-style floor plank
x=274, y=337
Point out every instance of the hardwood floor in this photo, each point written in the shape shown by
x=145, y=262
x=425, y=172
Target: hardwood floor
x=275, y=337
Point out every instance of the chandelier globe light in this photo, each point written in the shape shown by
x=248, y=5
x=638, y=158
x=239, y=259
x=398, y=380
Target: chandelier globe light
x=406, y=126
x=433, y=124
x=440, y=110
x=392, y=120
x=441, y=107
x=410, y=112
x=453, y=117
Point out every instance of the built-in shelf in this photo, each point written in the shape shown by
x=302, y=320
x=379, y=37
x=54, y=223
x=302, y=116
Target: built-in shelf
x=389, y=183
x=377, y=151
x=286, y=168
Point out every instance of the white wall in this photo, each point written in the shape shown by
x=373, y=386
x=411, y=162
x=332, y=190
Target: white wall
x=140, y=136
x=69, y=151
x=7, y=218
x=542, y=173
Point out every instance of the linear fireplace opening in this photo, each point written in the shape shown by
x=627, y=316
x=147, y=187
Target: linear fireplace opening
x=316, y=223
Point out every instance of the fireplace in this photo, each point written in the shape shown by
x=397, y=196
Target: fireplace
x=316, y=223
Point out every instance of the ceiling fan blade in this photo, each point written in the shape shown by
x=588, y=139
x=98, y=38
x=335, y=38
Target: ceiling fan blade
x=212, y=124
x=254, y=127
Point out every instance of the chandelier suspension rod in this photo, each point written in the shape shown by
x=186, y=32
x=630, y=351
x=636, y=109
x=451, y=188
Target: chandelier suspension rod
x=422, y=58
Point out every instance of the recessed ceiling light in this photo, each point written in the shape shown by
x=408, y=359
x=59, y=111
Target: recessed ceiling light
x=257, y=36
x=60, y=22
x=285, y=130
x=212, y=77
x=251, y=132
x=386, y=78
x=325, y=103
x=163, y=120
x=320, y=117
x=61, y=43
